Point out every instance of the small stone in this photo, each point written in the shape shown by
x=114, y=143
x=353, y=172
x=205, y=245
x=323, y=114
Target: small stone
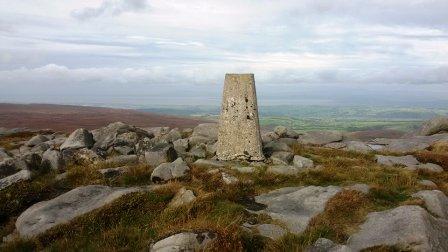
x=281, y=131
x=244, y=169
x=182, y=197
x=52, y=159
x=36, y=140
x=281, y=157
x=168, y=171
x=302, y=162
x=283, y=170
x=208, y=163
x=113, y=172
x=159, y=154
x=187, y=241
x=228, y=179
x=363, y=188
x=80, y=138
x=271, y=231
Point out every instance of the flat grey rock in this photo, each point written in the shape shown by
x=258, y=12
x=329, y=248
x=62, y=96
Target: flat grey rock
x=427, y=167
x=357, y=146
x=185, y=242
x=435, y=201
x=20, y=176
x=283, y=170
x=271, y=231
x=207, y=130
x=427, y=183
x=168, y=171
x=296, y=206
x=209, y=163
x=408, y=160
x=410, y=228
x=80, y=138
x=47, y=214
x=320, y=137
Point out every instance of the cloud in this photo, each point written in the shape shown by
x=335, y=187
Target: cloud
x=110, y=8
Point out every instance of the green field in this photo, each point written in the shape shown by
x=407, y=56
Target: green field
x=305, y=118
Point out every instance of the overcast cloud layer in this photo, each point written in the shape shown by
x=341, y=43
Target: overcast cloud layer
x=388, y=52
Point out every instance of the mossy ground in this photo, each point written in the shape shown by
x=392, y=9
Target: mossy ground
x=136, y=220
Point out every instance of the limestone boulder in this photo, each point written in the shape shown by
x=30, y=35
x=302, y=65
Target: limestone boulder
x=47, y=214
x=160, y=153
x=198, y=151
x=20, y=176
x=182, y=197
x=118, y=134
x=206, y=130
x=209, y=163
x=181, y=146
x=357, y=146
x=435, y=201
x=320, y=137
x=302, y=162
x=275, y=146
x=296, y=206
x=35, y=140
x=287, y=170
x=434, y=126
x=409, y=228
x=269, y=137
x=187, y=241
x=427, y=183
x=407, y=160
x=52, y=159
x=167, y=171
x=271, y=231
x=281, y=157
x=78, y=139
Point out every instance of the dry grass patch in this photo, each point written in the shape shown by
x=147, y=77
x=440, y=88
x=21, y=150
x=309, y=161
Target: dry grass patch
x=15, y=140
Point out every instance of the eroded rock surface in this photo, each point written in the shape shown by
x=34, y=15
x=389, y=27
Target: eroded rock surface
x=47, y=214
x=295, y=206
x=410, y=228
x=187, y=241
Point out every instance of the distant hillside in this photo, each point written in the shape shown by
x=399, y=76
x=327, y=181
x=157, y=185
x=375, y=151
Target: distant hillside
x=67, y=118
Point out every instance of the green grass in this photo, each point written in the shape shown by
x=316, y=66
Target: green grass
x=134, y=221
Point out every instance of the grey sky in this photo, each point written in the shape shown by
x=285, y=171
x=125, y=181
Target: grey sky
x=333, y=52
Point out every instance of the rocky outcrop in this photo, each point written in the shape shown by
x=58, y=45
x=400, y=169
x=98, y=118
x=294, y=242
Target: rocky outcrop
x=188, y=241
x=408, y=161
x=409, y=228
x=118, y=134
x=52, y=159
x=22, y=175
x=435, y=201
x=296, y=206
x=47, y=214
x=168, y=171
x=320, y=137
x=434, y=126
x=160, y=153
x=36, y=140
x=78, y=139
x=182, y=197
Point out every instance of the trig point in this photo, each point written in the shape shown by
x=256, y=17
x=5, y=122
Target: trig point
x=239, y=129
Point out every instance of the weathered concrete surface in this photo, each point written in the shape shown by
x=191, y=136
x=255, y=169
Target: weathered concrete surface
x=239, y=129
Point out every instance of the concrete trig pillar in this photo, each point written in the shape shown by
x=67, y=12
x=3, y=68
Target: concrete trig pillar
x=239, y=128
